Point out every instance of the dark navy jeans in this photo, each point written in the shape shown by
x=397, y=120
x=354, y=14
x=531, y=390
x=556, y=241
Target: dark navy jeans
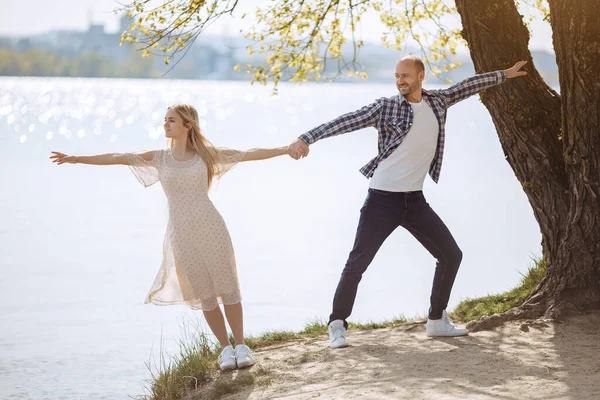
x=380, y=215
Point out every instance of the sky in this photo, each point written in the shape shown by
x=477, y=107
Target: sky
x=23, y=18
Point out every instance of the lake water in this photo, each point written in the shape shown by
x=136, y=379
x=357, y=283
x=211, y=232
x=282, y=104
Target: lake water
x=80, y=245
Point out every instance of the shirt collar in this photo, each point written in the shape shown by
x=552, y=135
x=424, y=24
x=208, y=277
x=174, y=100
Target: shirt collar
x=424, y=93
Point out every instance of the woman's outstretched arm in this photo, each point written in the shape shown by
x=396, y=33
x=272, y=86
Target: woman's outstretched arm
x=256, y=154
x=100, y=159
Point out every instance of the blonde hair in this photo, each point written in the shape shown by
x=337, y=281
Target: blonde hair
x=196, y=140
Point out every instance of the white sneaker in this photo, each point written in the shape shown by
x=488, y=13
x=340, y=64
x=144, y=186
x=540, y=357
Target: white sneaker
x=445, y=316
x=337, y=334
x=443, y=327
x=227, y=359
x=244, y=356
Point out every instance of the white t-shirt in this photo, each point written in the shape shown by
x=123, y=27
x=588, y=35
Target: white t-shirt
x=405, y=169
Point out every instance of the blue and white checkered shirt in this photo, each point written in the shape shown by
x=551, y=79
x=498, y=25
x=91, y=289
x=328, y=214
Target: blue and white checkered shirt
x=392, y=117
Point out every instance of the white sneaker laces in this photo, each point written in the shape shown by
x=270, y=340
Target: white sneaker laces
x=228, y=352
x=337, y=333
x=449, y=321
x=244, y=351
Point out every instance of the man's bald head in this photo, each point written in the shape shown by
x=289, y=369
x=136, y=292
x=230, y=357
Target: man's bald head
x=410, y=73
x=416, y=61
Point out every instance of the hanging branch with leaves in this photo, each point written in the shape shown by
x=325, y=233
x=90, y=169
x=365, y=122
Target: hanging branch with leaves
x=297, y=38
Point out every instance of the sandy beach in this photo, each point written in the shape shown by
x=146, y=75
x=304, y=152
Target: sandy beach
x=520, y=360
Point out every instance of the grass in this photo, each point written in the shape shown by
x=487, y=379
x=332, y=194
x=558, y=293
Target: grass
x=195, y=368
x=474, y=309
x=313, y=329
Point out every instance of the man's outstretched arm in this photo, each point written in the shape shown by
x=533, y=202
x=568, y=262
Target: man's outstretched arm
x=366, y=116
x=478, y=83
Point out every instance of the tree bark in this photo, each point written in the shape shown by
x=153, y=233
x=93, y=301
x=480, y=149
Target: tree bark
x=575, y=282
x=551, y=141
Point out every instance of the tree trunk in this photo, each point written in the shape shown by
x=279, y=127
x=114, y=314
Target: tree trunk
x=575, y=284
x=551, y=142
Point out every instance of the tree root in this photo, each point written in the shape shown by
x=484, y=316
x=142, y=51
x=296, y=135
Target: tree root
x=524, y=312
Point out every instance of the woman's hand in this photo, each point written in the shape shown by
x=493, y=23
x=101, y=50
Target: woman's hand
x=61, y=158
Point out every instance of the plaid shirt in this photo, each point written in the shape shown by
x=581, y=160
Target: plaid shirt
x=393, y=118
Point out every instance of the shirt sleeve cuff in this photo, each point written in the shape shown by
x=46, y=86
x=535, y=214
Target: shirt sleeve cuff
x=307, y=138
x=501, y=76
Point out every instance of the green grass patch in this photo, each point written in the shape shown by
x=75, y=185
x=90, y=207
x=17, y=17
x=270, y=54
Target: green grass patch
x=314, y=328
x=193, y=367
x=474, y=309
x=377, y=325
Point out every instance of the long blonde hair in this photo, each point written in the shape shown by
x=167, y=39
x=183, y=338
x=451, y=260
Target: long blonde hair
x=196, y=140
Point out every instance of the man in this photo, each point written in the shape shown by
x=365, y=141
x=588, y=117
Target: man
x=411, y=143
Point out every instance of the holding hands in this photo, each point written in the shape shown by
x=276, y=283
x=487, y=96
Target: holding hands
x=298, y=149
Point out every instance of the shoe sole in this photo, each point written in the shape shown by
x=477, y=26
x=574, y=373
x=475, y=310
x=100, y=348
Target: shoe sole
x=246, y=364
x=227, y=368
x=341, y=346
x=448, y=335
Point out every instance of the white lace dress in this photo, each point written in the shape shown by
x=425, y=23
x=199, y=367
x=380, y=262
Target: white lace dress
x=198, y=268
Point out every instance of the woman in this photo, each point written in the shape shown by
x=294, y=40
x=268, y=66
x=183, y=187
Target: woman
x=198, y=267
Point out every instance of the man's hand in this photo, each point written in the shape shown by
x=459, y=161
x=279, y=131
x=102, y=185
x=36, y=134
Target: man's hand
x=514, y=71
x=298, y=149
